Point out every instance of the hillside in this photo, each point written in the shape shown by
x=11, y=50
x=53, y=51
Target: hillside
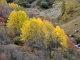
x=39, y=29
x=71, y=26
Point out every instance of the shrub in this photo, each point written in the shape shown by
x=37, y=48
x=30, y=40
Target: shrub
x=70, y=45
x=30, y=1
x=70, y=8
x=15, y=6
x=4, y=39
x=1, y=19
x=26, y=47
x=9, y=1
x=25, y=3
x=73, y=58
x=3, y=56
x=17, y=40
x=65, y=16
x=44, y=4
x=28, y=6
x=63, y=7
x=10, y=33
x=4, y=12
x=32, y=14
x=51, y=2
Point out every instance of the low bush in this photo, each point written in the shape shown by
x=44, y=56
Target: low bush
x=4, y=39
x=70, y=8
x=15, y=6
x=44, y=4
x=24, y=4
x=30, y=1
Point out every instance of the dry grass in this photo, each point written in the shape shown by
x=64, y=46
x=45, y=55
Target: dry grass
x=73, y=22
x=71, y=26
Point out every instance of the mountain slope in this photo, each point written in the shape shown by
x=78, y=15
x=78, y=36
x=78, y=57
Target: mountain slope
x=72, y=26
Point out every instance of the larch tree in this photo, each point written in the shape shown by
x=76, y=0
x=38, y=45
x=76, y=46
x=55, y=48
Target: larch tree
x=60, y=36
x=38, y=30
x=16, y=19
x=33, y=30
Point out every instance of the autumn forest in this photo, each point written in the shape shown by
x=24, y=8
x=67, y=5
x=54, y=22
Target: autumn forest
x=39, y=30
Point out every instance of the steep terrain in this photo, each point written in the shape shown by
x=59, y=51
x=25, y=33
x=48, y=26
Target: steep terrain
x=42, y=41
x=72, y=26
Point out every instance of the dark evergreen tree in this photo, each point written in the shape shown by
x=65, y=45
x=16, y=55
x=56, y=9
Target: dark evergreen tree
x=9, y=1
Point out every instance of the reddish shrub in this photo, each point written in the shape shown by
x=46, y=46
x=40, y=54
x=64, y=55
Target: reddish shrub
x=1, y=19
x=26, y=47
x=45, y=18
x=32, y=14
x=70, y=45
x=3, y=56
x=5, y=11
x=0, y=10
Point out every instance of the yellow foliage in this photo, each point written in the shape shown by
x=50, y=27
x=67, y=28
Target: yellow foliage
x=49, y=28
x=58, y=34
x=38, y=30
x=0, y=1
x=15, y=6
x=70, y=8
x=33, y=29
x=65, y=16
x=16, y=20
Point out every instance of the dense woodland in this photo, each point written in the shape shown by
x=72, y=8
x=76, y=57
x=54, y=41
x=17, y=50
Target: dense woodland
x=30, y=31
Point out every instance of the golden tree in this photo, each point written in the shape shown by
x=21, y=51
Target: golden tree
x=63, y=7
x=16, y=19
x=70, y=8
x=59, y=35
x=33, y=29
